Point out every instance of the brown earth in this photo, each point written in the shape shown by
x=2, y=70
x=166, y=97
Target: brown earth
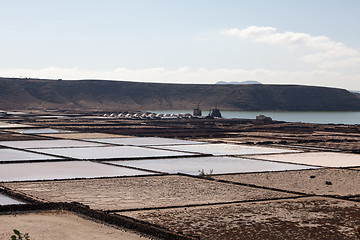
x=4, y=136
x=142, y=192
x=60, y=225
x=305, y=181
x=307, y=218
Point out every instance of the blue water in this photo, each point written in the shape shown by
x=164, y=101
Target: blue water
x=305, y=117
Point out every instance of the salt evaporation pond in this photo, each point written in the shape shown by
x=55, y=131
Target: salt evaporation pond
x=118, y=152
x=227, y=149
x=82, y=135
x=324, y=159
x=62, y=170
x=41, y=131
x=18, y=155
x=5, y=200
x=145, y=141
x=219, y=165
x=60, y=143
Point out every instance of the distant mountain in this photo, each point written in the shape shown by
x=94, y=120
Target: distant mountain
x=22, y=94
x=243, y=82
x=356, y=93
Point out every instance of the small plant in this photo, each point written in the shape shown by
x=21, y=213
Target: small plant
x=328, y=183
x=202, y=173
x=19, y=236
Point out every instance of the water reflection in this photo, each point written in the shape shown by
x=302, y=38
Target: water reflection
x=119, y=152
x=226, y=149
x=48, y=144
x=62, y=170
x=144, y=141
x=41, y=130
x=219, y=165
x=5, y=200
x=325, y=159
x=18, y=155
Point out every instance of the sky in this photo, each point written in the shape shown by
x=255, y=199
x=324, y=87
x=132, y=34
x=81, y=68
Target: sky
x=302, y=42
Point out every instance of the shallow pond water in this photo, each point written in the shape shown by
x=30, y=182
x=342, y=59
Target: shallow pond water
x=5, y=200
x=218, y=165
x=226, y=149
x=18, y=155
x=48, y=144
x=41, y=130
x=118, y=152
x=324, y=159
x=62, y=170
x=145, y=141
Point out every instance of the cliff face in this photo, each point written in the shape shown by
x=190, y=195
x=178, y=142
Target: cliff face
x=119, y=95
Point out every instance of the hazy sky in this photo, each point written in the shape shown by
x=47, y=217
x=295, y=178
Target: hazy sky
x=312, y=42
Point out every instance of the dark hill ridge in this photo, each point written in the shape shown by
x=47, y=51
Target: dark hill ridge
x=121, y=95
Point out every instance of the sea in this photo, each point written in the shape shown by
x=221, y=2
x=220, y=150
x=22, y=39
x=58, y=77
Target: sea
x=304, y=117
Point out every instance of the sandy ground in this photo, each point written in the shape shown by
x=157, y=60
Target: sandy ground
x=60, y=225
x=343, y=181
x=306, y=218
x=4, y=125
x=142, y=192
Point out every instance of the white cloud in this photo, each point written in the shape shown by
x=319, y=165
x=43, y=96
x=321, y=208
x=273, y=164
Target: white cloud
x=333, y=54
x=200, y=76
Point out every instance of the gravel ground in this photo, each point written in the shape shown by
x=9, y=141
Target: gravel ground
x=338, y=182
x=306, y=218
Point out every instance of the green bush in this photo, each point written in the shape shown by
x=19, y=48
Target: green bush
x=19, y=236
